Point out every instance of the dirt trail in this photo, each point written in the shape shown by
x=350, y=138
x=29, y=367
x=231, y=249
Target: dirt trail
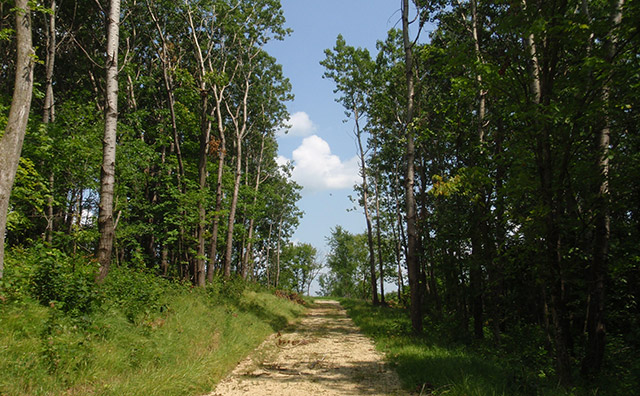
x=323, y=355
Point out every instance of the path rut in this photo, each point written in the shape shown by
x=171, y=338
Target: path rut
x=325, y=354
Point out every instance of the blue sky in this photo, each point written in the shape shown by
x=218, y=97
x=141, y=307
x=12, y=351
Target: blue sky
x=320, y=143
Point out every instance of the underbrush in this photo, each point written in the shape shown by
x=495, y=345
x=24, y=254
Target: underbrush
x=137, y=334
x=440, y=363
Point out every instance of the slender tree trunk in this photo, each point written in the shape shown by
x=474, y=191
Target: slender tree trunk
x=107, y=178
x=412, y=231
x=205, y=135
x=232, y=209
x=379, y=242
x=552, y=232
x=49, y=113
x=398, y=249
x=479, y=250
x=267, y=265
x=221, y=152
x=277, y=282
x=49, y=109
x=13, y=137
x=248, y=255
x=367, y=215
x=596, y=329
x=241, y=130
x=401, y=242
x=213, y=247
x=168, y=85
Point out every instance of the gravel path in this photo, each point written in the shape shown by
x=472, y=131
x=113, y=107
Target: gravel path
x=325, y=354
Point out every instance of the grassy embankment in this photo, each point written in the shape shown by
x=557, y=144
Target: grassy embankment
x=437, y=364
x=136, y=335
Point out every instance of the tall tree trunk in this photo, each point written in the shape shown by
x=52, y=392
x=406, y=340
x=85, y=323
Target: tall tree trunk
x=596, y=329
x=169, y=88
x=107, y=177
x=367, y=215
x=480, y=211
x=205, y=134
x=49, y=113
x=401, y=240
x=379, y=242
x=268, y=252
x=233, y=207
x=278, y=250
x=221, y=152
x=13, y=137
x=241, y=131
x=540, y=97
x=49, y=109
x=247, y=258
x=412, y=231
x=213, y=247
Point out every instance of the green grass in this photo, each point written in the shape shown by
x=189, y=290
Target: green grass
x=183, y=350
x=435, y=364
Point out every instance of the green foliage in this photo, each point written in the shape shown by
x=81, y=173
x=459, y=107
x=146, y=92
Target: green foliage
x=51, y=277
x=436, y=364
x=137, y=293
x=28, y=197
x=65, y=282
x=299, y=267
x=347, y=261
x=223, y=290
x=144, y=336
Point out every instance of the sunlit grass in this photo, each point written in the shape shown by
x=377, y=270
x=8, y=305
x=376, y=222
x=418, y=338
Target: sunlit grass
x=184, y=350
x=434, y=364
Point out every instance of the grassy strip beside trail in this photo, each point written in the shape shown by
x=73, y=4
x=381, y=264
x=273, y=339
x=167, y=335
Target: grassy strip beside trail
x=436, y=364
x=142, y=336
x=183, y=351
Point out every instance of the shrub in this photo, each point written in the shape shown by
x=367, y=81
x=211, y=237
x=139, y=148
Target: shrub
x=52, y=278
x=136, y=292
x=63, y=281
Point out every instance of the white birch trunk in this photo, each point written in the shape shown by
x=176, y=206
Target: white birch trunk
x=107, y=178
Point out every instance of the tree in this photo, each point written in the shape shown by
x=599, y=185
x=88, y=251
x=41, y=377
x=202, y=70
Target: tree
x=592, y=362
x=348, y=265
x=413, y=263
x=106, y=224
x=299, y=265
x=13, y=136
x=351, y=69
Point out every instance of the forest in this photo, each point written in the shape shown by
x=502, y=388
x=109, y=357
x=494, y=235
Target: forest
x=498, y=148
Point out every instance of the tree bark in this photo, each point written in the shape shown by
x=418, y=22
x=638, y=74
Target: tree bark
x=241, y=131
x=205, y=134
x=540, y=91
x=107, y=177
x=412, y=232
x=379, y=243
x=278, y=251
x=13, y=137
x=596, y=328
x=49, y=109
x=247, y=258
x=367, y=215
x=49, y=113
x=232, y=209
x=213, y=247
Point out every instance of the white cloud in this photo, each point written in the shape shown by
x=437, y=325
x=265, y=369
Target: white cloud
x=315, y=168
x=282, y=160
x=299, y=124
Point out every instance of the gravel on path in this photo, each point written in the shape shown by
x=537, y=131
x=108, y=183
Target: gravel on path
x=325, y=354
